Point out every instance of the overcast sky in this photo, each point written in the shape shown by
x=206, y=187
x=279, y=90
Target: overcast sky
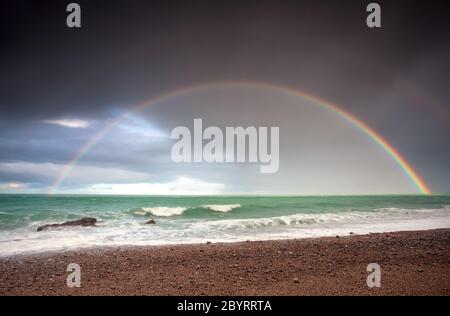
x=60, y=86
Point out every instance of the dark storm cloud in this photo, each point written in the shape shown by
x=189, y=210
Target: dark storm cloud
x=395, y=78
x=39, y=142
x=125, y=53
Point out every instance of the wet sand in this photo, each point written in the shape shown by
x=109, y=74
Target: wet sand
x=412, y=263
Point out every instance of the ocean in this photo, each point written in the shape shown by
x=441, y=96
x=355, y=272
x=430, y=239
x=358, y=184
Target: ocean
x=189, y=219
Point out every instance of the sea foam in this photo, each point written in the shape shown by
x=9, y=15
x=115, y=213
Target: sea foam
x=222, y=208
x=163, y=211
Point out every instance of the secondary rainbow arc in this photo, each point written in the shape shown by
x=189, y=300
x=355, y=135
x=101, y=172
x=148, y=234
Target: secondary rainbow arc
x=401, y=161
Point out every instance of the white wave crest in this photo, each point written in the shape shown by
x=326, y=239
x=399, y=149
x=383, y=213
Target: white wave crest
x=163, y=211
x=329, y=219
x=222, y=208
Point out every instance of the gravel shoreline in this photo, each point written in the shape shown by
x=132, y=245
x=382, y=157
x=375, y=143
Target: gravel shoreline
x=412, y=263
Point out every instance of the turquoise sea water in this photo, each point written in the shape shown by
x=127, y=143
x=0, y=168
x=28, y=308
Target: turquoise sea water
x=200, y=219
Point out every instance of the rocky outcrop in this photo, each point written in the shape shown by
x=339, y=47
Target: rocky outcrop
x=152, y=221
x=85, y=221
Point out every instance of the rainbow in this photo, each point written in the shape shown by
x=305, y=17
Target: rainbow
x=407, y=169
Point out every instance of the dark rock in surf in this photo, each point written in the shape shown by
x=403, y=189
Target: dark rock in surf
x=152, y=221
x=85, y=221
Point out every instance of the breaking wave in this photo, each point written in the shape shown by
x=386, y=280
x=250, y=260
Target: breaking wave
x=163, y=211
x=222, y=208
x=166, y=211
